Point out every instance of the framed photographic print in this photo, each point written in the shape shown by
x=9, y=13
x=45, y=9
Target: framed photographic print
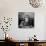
x=25, y=19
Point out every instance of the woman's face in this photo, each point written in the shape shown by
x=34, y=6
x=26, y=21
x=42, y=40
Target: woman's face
x=26, y=19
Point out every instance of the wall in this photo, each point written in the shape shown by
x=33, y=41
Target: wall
x=10, y=8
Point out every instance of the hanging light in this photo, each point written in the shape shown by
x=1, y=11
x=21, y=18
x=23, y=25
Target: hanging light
x=36, y=3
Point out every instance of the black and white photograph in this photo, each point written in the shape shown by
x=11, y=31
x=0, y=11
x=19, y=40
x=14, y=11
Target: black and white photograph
x=25, y=19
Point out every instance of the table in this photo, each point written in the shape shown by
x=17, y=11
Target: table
x=27, y=43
